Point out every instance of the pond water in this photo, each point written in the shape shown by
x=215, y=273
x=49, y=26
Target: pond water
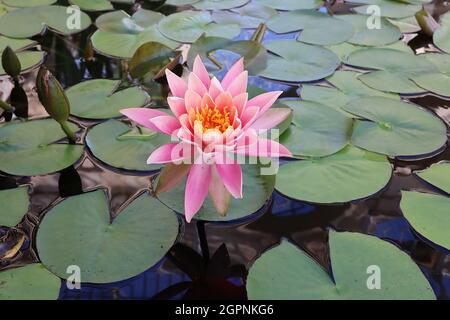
x=303, y=223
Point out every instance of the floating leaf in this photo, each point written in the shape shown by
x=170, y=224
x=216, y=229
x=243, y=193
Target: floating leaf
x=429, y=215
x=188, y=26
x=257, y=189
x=387, y=8
x=218, y=4
x=354, y=258
x=386, y=34
x=316, y=130
x=14, y=206
x=435, y=82
x=298, y=62
x=317, y=27
x=28, y=22
x=79, y=231
x=395, y=128
x=120, y=35
x=346, y=87
x=438, y=175
x=390, y=82
x=27, y=3
x=98, y=5
x=28, y=59
x=92, y=99
x=343, y=50
x=406, y=25
x=290, y=4
x=441, y=36
x=349, y=174
x=149, y=59
x=29, y=148
x=31, y=282
x=248, y=16
x=112, y=138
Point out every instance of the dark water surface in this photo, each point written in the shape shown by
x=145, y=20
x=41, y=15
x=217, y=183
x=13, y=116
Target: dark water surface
x=224, y=251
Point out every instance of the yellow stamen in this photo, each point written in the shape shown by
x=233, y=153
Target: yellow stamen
x=213, y=118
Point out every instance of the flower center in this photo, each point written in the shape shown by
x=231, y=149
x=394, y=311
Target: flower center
x=213, y=118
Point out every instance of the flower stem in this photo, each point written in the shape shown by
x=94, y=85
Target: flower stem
x=69, y=133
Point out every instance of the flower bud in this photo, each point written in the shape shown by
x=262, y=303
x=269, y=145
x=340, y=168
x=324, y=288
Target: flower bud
x=11, y=63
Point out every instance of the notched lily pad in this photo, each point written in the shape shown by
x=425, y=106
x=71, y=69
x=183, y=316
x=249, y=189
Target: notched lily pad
x=31, y=282
x=438, y=175
x=112, y=140
x=28, y=59
x=98, y=5
x=349, y=174
x=15, y=204
x=257, y=189
x=354, y=259
x=29, y=148
x=441, y=37
x=387, y=8
x=79, y=231
x=248, y=16
x=290, y=4
x=396, y=128
x=92, y=99
x=27, y=3
x=28, y=22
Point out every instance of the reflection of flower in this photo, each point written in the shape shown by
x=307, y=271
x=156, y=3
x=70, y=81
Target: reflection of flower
x=214, y=121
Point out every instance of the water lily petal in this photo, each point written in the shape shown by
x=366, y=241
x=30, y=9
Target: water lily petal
x=231, y=175
x=166, y=124
x=177, y=85
x=192, y=100
x=264, y=101
x=271, y=118
x=239, y=84
x=142, y=116
x=197, y=186
x=200, y=70
x=234, y=71
x=215, y=88
x=224, y=100
x=176, y=105
x=219, y=194
x=240, y=102
x=264, y=148
x=165, y=153
x=171, y=175
x=195, y=84
x=249, y=116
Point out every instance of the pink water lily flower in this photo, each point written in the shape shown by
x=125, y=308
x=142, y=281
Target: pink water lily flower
x=211, y=121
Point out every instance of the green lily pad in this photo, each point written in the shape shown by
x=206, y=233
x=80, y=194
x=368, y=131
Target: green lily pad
x=343, y=50
x=395, y=69
x=349, y=174
x=29, y=148
x=92, y=99
x=441, y=37
x=388, y=8
x=180, y=2
x=396, y=128
x=286, y=272
x=98, y=5
x=440, y=60
x=316, y=130
x=31, y=282
x=346, y=87
x=120, y=35
x=438, y=175
x=116, y=144
x=15, y=204
x=317, y=27
x=298, y=62
x=27, y=3
x=435, y=82
x=79, y=231
x=406, y=25
x=188, y=26
x=429, y=215
x=248, y=16
x=28, y=59
x=388, y=33
x=28, y=22
x=218, y=4
x=290, y=4
x=257, y=189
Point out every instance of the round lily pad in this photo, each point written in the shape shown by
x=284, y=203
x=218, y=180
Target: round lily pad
x=316, y=130
x=395, y=128
x=441, y=37
x=31, y=282
x=188, y=26
x=390, y=82
x=388, y=8
x=298, y=62
x=349, y=174
x=286, y=272
x=343, y=50
x=290, y=4
x=438, y=175
x=98, y=5
x=79, y=231
x=218, y=4
x=440, y=60
x=346, y=87
x=28, y=59
x=256, y=190
x=92, y=99
x=27, y=3
x=29, y=148
x=316, y=27
x=429, y=215
x=248, y=16
x=386, y=34
x=118, y=145
x=14, y=206
x=406, y=25
x=435, y=82
x=28, y=22
x=120, y=35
